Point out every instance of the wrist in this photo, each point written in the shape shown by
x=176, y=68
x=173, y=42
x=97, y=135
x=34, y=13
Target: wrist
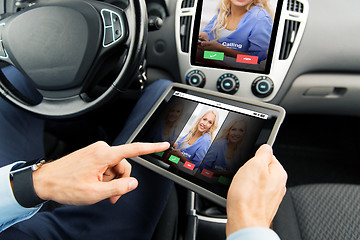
x=40, y=184
x=236, y=224
x=23, y=185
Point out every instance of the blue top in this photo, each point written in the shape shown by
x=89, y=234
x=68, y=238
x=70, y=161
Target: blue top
x=215, y=159
x=251, y=36
x=254, y=233
x=196, y=152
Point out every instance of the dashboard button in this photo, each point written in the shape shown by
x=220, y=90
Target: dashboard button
x=228, y=83
x=262, y=87
x=196, y=78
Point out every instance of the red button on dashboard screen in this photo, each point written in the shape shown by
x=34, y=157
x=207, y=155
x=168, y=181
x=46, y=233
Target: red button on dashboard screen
x=247, y=59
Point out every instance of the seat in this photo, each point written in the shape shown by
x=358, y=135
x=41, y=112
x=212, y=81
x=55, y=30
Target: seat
x=319, y=211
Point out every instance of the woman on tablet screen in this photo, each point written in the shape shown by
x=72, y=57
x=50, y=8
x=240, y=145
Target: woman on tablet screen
x=194, y=145
x=167, y=127
x=239, y=27
x=223, y=156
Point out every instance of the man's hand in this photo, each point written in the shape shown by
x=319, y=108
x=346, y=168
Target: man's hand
x=91, y=174
x=256, y=192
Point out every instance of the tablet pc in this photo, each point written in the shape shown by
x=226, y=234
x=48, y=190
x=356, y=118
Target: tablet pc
x=211, y=136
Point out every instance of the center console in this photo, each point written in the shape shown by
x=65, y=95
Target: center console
x=253, y=67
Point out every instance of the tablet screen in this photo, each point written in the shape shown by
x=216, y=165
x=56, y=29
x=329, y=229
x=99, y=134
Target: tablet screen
x=225, y=38
x=210, y=137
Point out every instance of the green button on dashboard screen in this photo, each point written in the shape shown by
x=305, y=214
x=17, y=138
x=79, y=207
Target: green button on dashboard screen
x=214, y=55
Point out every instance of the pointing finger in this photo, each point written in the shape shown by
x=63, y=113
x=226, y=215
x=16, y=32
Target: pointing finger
x=136, y=149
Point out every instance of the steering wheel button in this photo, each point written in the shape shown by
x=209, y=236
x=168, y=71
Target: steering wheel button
x=115, y=18
x=106, y=17
x=117, y=27
x=108, y=38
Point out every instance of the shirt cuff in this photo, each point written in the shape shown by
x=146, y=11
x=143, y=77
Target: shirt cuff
x=11, y=211
x=254, y=233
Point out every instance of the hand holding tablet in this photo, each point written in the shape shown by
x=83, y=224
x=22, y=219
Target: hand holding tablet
x=258, y=186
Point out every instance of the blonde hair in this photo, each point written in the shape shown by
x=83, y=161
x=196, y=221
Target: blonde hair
x=211, y=130
x=224, y=10
x=225, y=135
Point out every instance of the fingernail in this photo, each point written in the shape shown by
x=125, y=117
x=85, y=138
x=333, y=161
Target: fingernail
x=267, y=147
x=132, y=184
x=165, y=144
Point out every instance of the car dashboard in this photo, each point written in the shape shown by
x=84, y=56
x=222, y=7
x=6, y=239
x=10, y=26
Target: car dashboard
x=314, y=67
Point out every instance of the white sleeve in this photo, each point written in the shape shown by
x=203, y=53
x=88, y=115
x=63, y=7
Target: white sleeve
x=11, y=211
x=254, y=233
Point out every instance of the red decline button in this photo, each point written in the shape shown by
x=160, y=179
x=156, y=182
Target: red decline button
x=207, y=173
x=189, y=165
x=247, y=59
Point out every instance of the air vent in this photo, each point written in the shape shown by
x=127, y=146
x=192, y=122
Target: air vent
x=290, y=30
x=187, y=3
x=295, y=6
x=185, y=26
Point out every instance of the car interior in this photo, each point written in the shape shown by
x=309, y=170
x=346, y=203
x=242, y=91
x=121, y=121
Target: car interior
x=311, y=69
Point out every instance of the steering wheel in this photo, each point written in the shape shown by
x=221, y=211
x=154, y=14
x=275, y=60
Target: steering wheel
x=76, y=53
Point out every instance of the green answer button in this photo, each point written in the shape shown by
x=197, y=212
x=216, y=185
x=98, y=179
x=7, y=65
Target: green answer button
x=214, y=55
x=160, y=154
x=224, y=180
x=174, y=159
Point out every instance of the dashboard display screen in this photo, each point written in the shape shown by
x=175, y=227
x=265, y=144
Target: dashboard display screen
x=235, y=34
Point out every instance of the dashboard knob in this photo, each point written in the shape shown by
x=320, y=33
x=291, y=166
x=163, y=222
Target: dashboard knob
x=196, y=78
x=262, y=86
x=228, y=83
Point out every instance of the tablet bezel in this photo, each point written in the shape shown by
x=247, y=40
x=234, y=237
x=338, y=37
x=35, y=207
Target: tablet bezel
x=185, y=182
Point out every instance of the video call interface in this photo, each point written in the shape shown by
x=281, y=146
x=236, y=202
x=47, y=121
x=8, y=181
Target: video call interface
x=246, y=45
x=209, y=140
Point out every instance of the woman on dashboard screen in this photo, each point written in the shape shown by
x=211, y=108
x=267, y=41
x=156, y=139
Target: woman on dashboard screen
x=223, y=156
x=194, y=145
x=239, y=27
